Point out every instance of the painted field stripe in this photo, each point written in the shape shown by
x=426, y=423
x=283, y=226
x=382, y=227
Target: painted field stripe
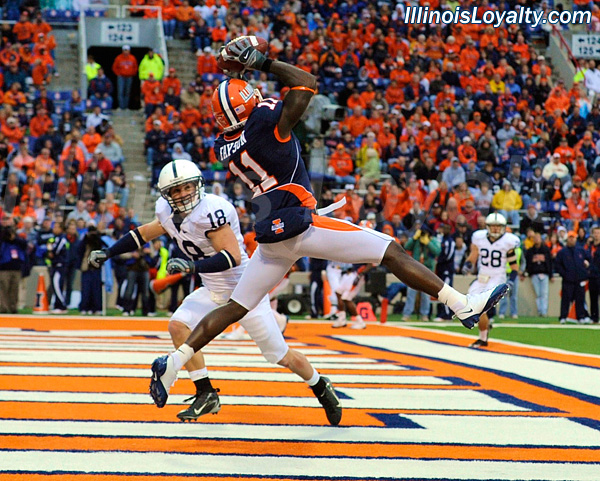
x=225, y=375
x=581, y=379
x=124, y=357
x=210, y=349
x=306, y=449
x=359, y=398
x=333, y=467
x=430, y=429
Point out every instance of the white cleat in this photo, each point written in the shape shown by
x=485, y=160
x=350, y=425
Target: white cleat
x=478, y=304
x=164, y=376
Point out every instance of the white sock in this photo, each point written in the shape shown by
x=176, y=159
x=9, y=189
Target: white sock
x=452, y=298
x=181, y=356
x=483, y=334
x=314, y=379
x=342, y=315
x=198, y=374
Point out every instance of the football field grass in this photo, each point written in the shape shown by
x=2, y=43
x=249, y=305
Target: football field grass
x=534, y=331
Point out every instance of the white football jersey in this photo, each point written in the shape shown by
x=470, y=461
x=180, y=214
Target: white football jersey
x=492, y=255
x=210, y=214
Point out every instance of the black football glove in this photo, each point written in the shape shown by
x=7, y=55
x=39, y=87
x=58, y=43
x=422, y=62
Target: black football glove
x=467, y=268
x=180, y=265
x=241, y=50
x=97, y=258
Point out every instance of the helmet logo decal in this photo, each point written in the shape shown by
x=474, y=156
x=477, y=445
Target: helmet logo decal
x=247, y=93
x=278, y=226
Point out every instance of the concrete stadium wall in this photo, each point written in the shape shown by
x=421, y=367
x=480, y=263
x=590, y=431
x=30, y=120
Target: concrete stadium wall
x=526, y=293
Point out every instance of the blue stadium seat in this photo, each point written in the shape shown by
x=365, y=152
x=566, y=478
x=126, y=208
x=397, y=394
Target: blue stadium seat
x=210, y=77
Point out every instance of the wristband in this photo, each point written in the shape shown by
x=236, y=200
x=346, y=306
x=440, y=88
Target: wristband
x=266, y=66
x=130, y=242
x=304, y=89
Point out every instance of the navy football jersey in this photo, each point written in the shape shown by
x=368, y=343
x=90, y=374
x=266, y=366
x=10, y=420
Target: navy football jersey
x=269, y=165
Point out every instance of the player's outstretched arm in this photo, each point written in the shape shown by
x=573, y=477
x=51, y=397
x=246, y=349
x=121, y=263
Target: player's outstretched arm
x=303, y=86
x=130, y=242
x=471, y=260
x=228, y=255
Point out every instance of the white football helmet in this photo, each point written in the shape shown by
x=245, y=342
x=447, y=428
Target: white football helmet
x=495, y=219
x=179, y=172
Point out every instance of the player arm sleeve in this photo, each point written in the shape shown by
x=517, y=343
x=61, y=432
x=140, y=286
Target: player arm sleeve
x=220, y=262
x=130, y=242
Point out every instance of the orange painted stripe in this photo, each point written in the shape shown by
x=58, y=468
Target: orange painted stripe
x=279, y=137
x=113, y=477
x=334, y=224
x=279, y=448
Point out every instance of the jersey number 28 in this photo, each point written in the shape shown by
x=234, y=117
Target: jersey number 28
x=493, y=258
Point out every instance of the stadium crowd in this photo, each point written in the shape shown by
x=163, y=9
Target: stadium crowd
x=425, y=129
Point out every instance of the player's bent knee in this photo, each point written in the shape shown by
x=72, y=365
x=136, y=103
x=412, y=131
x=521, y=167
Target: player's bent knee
x=179, y=332
x=393, y=251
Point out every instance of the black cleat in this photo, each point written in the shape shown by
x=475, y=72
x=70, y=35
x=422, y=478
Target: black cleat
x=479, y=343
x=331, y=403
x=203, y=403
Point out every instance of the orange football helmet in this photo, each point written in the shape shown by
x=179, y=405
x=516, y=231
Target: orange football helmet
x=232, y=102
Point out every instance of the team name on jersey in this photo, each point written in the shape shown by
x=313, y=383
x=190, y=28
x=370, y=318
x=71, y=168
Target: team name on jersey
x=231, y=148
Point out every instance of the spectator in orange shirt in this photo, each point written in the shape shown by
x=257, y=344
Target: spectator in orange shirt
x=594, y=205
x=476, y=127
x=169, y=14
x=355, y=100
x=190, y=116
x=172, y=80
x=40, y=26
x=14, y=97
x=40, y=73
x=367, y=95
x=125, y=67
x=206, y=63
x=341, y=164
x=567, y=154
x=219, y=34
x=12, y=131
x=23, y=29
x=152, y=99
x=184, y=15
x=91, y=139
x=466, y=151
x=394, y=94
x=356, y=122
x=469, y=56
x=351, y=209
x=39, y=125
x=44, y=164
x=575, y=208
x=23, y=160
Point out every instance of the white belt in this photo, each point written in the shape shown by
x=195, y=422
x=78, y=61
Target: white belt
x=332, y=207
x=483, y=279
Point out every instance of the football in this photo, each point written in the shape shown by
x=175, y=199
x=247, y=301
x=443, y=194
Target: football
x=258, y=42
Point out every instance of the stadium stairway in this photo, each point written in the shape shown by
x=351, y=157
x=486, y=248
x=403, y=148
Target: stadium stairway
x=183, y=60
x=67, y=60
x=130, y=126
